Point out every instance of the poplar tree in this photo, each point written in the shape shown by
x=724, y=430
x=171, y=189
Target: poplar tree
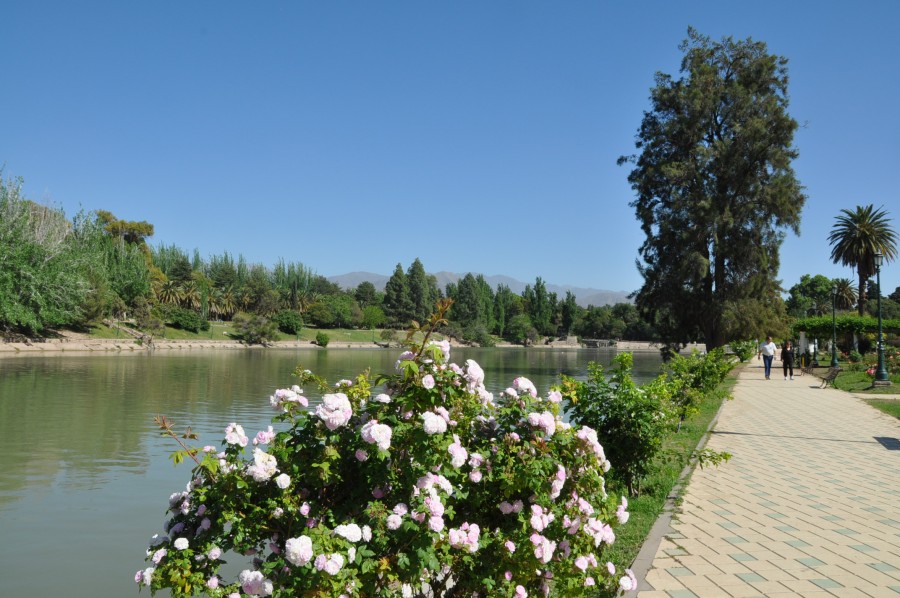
x=715, y=191
x=398, y=306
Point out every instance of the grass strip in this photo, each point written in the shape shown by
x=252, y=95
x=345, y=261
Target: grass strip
x=861, y=382
x=890, y=407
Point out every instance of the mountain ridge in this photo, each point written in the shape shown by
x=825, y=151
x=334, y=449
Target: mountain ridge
x=584, y=296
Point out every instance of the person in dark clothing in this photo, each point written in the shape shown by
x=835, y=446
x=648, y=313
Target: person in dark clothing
x=787, y=359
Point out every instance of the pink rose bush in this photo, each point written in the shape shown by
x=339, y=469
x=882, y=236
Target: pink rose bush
x=427, y=483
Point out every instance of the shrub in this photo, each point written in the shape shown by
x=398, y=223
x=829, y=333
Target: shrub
x=744, y=350
x=696, y=376
x=428, y=485
x=322, y=339
x=254, y=329
x=187, y=319
x=288, y=321
x=631, y=421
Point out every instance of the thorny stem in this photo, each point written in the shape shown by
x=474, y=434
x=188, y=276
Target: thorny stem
x=436, y=320
x=166, y=426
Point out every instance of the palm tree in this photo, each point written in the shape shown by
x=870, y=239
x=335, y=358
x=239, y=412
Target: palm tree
x=855, y=239
x=846, y=293
x=227, y=302
x=167, y=292
x=190, y=295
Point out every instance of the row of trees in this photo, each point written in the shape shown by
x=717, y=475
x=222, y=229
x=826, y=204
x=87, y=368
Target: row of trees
x=55, y=272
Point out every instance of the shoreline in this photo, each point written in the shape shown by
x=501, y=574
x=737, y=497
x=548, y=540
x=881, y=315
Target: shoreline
x=88, y=345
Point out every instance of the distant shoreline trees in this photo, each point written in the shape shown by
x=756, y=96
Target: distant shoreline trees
x=60, y=273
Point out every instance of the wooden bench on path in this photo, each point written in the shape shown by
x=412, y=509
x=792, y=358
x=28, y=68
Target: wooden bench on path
x=830, y=376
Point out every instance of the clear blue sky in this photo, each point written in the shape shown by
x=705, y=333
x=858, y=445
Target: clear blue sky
x=477, y=135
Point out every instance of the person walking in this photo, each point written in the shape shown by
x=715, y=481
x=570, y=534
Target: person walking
x=767, y=351
x=787, y=359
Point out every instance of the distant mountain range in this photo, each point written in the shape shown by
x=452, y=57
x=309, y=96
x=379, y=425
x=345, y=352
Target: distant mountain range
x=583, y=296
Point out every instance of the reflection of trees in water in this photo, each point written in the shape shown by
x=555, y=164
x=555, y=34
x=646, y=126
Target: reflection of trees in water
x=91, y=417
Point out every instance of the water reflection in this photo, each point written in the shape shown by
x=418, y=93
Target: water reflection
x=86, y=469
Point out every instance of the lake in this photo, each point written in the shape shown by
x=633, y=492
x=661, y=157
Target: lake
x=86, y=476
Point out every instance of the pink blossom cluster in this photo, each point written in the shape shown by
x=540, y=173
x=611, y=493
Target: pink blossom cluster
x=465, y=537
x=264, y=436
x=433, y=423
x=254, y=583
x=458, y=454
x=515, y=507
x=298, y=551
x=264, y=466
x=284, y=398
x=540, y=518
x=544, y=421
x=395, y=519
x=405, y=356
x=329, y=563
x=622, y=514
x=335, y=410
x=353, y=532
x=599, y=531
x=543, y=547
x=559, y=480
x=234, y=434
x=377, y=434
x=589, y=437
x=524, y=385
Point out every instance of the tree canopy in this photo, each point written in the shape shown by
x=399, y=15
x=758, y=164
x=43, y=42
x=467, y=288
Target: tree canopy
x=715, y=190
x=856, y=237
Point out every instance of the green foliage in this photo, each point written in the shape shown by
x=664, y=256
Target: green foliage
x=520, y=330
x=187, y=319
x=423, y=291
x=373, y=317
x=46, y=263
x=820, y=327
x=631, y=421
x=322, y=339
x=398, y=305
x=695, y=376
x=254, y=329
x=288, y=321
x=744, y=350
x=432, y=482
x=810, y=297
x=715, y=189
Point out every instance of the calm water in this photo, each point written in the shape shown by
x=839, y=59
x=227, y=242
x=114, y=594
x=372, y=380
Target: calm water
x=85, y=476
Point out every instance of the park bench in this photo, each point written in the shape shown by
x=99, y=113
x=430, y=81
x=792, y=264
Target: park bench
x=830, y=376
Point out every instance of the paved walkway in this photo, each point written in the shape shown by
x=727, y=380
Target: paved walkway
x=809, y=504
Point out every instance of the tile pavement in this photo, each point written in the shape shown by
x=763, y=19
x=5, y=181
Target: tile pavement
x=808, y=505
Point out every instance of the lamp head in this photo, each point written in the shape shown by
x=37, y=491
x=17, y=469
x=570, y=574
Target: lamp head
x=879, y=259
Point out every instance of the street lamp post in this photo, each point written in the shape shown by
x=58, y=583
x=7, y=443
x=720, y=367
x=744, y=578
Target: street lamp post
x=814, y=361
x=834, y=359
x=881, y=375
